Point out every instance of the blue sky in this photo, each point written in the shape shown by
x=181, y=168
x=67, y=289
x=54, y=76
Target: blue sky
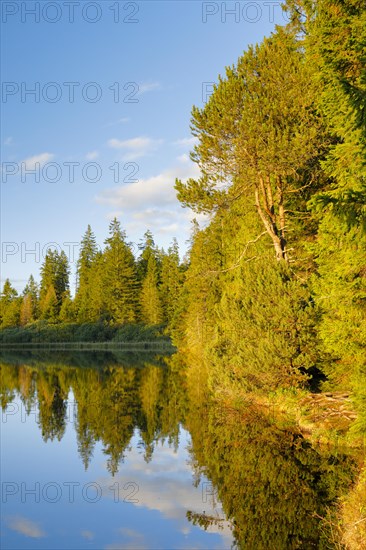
x=112, y=104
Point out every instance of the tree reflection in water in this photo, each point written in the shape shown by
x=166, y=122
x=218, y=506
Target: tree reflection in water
x=272, y=484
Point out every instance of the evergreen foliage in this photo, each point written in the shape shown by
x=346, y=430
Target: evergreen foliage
x=273, y=291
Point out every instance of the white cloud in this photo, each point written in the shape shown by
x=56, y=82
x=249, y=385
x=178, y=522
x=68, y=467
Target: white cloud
x=165, y=485
x=131, y=533
x=136, y=147
x=25, y=527
x=8, y=141
x=184, y=158
x=88, y=535
x=151, y=203
x=156, y=191
x=92, y=155
x=41, y=159
x=122, y=120
x=161, y=222
x=148, y=87
x=189, y=142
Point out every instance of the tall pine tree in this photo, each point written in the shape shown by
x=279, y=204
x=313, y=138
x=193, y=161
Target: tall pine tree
x=151, y=307
x=86, y=263
x=119, y=277
x=54, y=284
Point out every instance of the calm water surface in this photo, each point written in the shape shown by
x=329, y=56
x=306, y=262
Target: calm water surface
x=107, y=451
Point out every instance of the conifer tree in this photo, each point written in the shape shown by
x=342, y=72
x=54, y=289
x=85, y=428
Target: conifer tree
x=87, y=258
x=260, y=137
x=96, y=307
x=26, y=310
x=54, y=283
x=336, y=45
x=30, y=293
x=151, y=307
x=148, y=249
x=119, y=278
x=67, y=311
x=9, y=306
x=8, y=293
x=171, y=280
x=50, y=305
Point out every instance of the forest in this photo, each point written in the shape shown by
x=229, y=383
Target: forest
x=113, y=288
x=272, y=293
x=271, y=297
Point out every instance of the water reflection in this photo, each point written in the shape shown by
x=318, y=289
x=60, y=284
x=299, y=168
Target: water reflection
x=260, y=486
x=112, y=399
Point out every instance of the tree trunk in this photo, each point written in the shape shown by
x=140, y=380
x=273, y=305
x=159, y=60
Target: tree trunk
x=270, y=223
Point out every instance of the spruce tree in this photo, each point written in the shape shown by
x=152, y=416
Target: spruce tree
x=95, y=309
x=86, y=262
x=336, y=43
x=171, y=280
x=54, y=283
x=151, y=307
x=50, y=305
x=31, y=292
x=148, y=249
x=26, y=310
x=119, y=277
x=9, y=306
x=67, y=311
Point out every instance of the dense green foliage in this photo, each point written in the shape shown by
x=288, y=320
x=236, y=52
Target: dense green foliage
x=113, y=289
x=271, y=298
x=42, y=332
x=276, y=287
x=274, y=291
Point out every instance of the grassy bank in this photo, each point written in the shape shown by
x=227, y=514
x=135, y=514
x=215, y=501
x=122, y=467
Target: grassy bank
x=352, y=515
x=43, y=332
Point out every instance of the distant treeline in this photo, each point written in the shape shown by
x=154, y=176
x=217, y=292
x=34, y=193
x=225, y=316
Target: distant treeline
x=113, y=288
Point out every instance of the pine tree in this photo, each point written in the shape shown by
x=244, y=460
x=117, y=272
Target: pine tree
x=148, y=249
x=336, y=45
x=62, y=285
x=50, y=305
x=26, y=310
x=119, y=277
x=171, y=281
x=54, y=282
x=194, y=327
x=151, y=307
x=86, y=262
x=48, y=272
x=67, y=311
x=31, y=291
x=96, y=308
x=261, y=138
x=9, y=306
x=8, y=293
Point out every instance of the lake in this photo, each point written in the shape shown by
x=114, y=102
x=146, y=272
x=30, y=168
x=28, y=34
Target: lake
x=103, y=450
